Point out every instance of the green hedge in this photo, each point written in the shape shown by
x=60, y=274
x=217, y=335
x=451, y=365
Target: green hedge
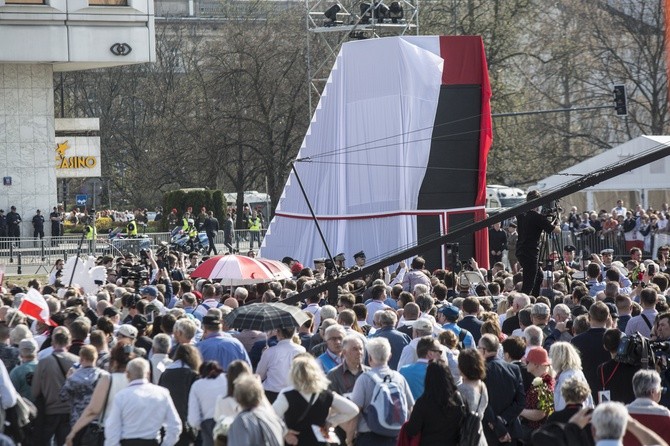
x=182, y=199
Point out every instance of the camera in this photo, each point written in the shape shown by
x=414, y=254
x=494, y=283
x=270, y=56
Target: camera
x=640, y=351
x=551, y=209
x=331, y=271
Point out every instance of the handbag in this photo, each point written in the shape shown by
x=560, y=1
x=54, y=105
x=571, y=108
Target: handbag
x=94, y=432
x=471, y=425
x=92, y=435
x=25, y=410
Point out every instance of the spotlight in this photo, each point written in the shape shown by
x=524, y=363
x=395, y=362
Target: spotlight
x=366, y=13
x=381, y=12
x=396, y=12
x=331, y=14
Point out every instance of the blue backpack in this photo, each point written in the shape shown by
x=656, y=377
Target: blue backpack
x=388, y=409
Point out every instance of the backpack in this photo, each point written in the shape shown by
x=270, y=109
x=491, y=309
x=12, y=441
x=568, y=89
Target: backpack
x=461, y=338
x=471, y=425
x=387, y=410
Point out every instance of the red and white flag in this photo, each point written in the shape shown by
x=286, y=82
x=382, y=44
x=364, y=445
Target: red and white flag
x=35, y=306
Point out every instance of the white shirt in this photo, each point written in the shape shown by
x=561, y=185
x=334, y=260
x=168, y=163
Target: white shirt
x=373, y=307
x=275, y=363
x=202, y=398
x=408, y=355
x=315, y=309
x=139, y=411
x=202, y=311
x=159, y=362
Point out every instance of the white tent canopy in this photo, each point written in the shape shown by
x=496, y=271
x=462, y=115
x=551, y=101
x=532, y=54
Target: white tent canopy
x=647, y=185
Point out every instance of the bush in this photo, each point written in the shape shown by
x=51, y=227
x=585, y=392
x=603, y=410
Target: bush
x=182, y=199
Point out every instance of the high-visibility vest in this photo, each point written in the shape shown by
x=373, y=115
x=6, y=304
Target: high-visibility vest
x=131, y=228
x=255, y=224
x=192, y=232
x=184, y=224
x=90, y=232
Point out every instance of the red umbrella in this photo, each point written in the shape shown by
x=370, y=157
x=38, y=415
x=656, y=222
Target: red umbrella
x=234, y=270
x=280, y=270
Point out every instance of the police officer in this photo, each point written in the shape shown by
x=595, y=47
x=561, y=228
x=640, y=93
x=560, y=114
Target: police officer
x=359, y=258
x=90, y=231
x=211, y=227
x=3, y=223
x=38, y=225
x=254, y=224
x=184, y=219
x=131, y=227
x=13, y=223
x=192, y=233
x=56, y=219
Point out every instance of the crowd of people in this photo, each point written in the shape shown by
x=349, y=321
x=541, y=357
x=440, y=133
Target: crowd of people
x=409, y=357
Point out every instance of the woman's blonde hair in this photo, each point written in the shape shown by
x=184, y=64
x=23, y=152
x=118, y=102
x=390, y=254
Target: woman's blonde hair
x=307, y=375
x=564, y=356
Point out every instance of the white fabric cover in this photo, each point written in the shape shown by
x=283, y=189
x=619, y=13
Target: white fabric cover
x=375, y=115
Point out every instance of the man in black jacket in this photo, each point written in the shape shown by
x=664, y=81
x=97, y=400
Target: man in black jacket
x=501, y=417
x=211, y=227
x=531, y=225
x=590, y=346
x=497, y=243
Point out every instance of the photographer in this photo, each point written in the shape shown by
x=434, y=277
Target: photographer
x=158, y=273
x=530, y=227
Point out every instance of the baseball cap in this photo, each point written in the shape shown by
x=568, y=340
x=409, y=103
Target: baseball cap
x=27, y=346
x=450, y=311
x=423, y=325
x=538, y=355
x=128, y=331
x=150, y=290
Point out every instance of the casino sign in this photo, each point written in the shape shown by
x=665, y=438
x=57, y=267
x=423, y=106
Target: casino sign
x=77, y=157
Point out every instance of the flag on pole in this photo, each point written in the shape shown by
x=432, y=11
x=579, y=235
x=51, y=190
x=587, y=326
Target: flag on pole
x=35, y=306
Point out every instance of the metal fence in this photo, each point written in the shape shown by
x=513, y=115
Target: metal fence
x=46, y=250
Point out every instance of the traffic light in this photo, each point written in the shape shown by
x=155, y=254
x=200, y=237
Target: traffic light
x=620, y=100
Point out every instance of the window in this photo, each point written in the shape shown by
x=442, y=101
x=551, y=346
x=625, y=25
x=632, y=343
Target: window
x=107, y=2
x=24, y=2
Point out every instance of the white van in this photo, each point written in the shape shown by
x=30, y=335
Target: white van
x=498, y=196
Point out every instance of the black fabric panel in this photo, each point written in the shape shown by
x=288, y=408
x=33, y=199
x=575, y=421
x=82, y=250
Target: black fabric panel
x=451, y=178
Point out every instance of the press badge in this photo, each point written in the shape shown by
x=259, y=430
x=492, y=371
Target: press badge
x=603, y=396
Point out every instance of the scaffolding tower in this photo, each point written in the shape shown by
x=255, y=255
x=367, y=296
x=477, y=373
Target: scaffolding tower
x=330, y=23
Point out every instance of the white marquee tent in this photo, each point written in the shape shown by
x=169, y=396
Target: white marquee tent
x=648, y=185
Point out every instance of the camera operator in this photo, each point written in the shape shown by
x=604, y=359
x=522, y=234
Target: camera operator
x=530, y=227
x=661, y=337
x=614, y=377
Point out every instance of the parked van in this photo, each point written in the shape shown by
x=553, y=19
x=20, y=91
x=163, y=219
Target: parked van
x=498, y=196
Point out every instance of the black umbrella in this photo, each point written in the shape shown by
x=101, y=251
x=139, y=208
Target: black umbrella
x=265, y=317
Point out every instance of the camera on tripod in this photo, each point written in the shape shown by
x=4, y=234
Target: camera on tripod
x=551, y=209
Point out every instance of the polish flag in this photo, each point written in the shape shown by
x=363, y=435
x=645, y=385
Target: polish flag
x=35, y=306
